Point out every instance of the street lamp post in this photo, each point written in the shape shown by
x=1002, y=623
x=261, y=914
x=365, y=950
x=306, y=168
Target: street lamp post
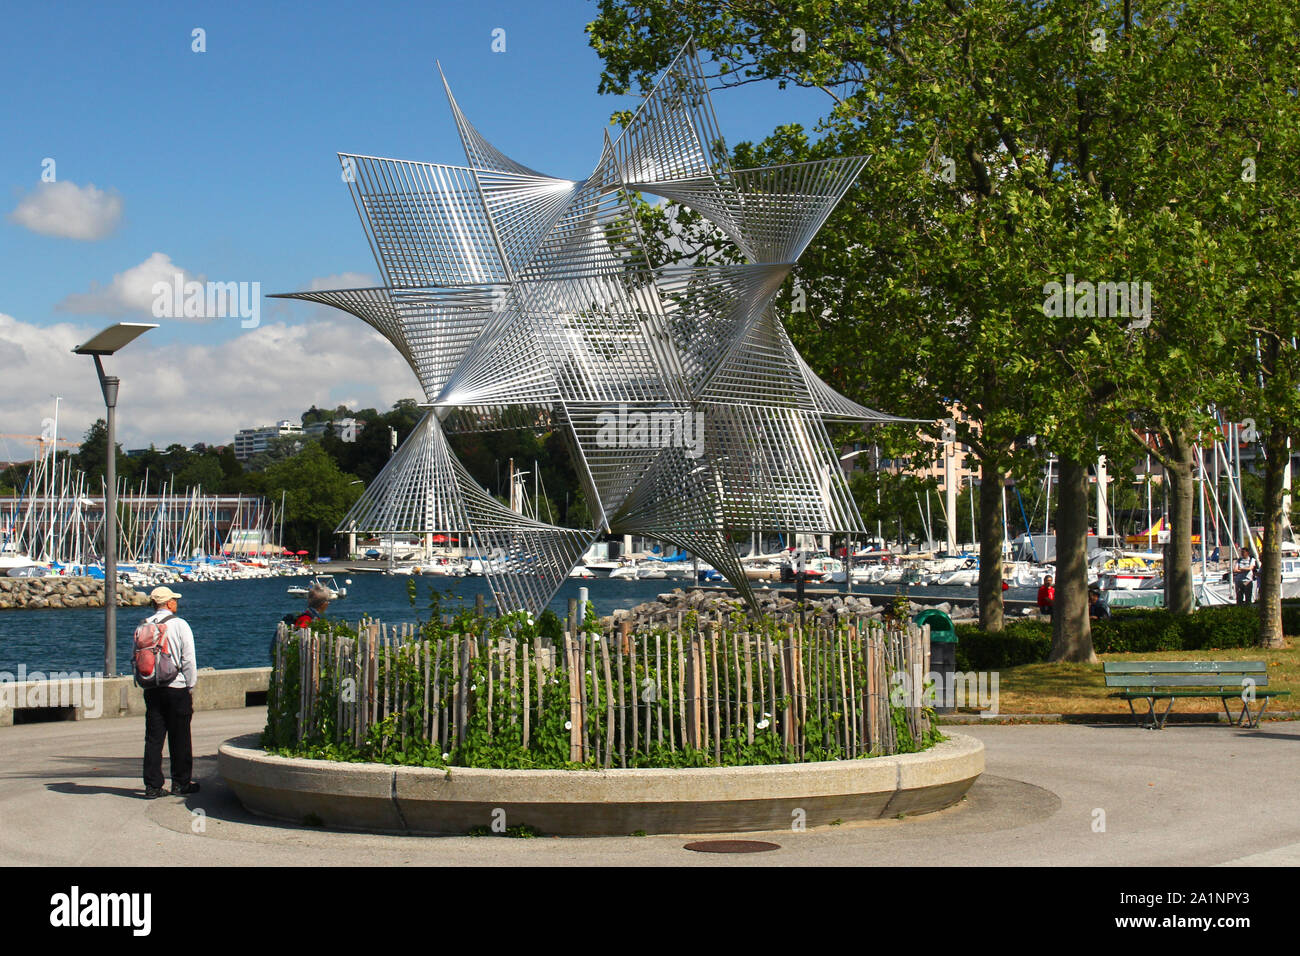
x=108, y=342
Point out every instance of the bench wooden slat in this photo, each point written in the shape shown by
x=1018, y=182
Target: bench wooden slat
x=1184, y=667
x=1185, y=680
x=1158, y=680
x=1231, y=693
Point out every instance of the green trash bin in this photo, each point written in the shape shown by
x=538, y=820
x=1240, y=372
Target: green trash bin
x=941, y=628
x=943, y=657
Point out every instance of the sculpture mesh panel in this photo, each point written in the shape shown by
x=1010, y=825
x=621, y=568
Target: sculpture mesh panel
x=522, y=300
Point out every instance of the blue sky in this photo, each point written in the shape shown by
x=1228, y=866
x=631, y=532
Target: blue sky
x=222, y=164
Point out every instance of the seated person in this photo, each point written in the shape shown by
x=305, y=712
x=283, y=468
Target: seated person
x=1046, y=596
x=1096, y=606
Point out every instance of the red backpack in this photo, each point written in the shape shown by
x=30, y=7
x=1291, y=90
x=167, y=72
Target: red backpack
x=156, y=661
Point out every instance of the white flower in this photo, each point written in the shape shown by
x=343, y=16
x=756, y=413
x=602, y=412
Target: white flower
x=596, y=637
x=473, y=686
x=588, y=673
x=446, y=756
x=568, y=725
x=765, y=714
x=761, y=725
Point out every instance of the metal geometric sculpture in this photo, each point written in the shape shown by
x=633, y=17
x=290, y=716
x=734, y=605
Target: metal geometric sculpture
x=525, y=301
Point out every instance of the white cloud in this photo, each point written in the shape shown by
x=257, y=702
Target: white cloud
x=342, y=280
x=69, y=211
x=130, y=292
x=187, y=393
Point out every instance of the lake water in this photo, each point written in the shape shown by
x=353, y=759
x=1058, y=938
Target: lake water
x=233, y=620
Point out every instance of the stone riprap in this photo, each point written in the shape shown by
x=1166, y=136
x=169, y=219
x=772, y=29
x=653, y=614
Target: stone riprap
x=708, y=605
x=62, y=592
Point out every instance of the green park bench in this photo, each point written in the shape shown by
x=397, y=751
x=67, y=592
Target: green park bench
x=1168, y=680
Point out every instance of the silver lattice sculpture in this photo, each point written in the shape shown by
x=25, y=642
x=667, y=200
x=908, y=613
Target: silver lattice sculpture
x=525, y=301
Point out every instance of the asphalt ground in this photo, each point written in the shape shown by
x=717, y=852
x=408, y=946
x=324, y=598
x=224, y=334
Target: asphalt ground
x=1103, y=795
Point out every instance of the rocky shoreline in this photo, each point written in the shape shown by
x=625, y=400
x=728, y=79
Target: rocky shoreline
x=59, y=592
x=706, y=605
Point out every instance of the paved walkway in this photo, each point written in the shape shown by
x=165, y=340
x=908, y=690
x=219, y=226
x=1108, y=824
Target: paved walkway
x=70, y=794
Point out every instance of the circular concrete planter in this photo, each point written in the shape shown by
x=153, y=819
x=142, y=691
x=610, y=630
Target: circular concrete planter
x=421, y=800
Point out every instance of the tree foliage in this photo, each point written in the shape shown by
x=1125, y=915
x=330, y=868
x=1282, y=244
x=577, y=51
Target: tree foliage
x=1012, y=147
x=315, y=492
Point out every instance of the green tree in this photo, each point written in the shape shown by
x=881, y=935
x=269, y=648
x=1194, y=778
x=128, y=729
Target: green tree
x=1257, y=134
x=368, y=455
x=929, y=267
x=900, y=510
x=231, y=470
x=1011, y=146
x=278, y=449
x=317, y=495
x=92, y=458
x=578, y=514
x=203, y=471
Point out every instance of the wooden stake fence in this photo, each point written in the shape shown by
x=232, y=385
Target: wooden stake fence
x=816, y=693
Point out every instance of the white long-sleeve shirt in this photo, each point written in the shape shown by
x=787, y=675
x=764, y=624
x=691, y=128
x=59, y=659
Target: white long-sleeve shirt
x=181, y=640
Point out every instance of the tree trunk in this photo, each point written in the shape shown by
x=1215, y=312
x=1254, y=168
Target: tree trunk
x=1071, y=628
x=1270, y=571
x=990, y=522
x=1179, y=598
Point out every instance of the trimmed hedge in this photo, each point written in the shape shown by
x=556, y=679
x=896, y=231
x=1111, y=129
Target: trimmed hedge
x=1021, y=642
x=1291, y=616
x=1129, y=631
x=1140, y=631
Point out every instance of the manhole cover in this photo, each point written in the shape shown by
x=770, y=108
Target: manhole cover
x=732, y=846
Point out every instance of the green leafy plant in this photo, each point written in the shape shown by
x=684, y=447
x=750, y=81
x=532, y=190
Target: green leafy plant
x=489, y=731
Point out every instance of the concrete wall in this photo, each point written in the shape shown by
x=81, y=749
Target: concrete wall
x=422, y=800
x=87, y=698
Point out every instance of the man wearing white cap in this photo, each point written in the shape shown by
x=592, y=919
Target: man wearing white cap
x=168, y=709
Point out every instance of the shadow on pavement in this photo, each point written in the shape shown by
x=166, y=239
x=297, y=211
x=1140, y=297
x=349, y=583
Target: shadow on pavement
x=81, y=789
x=94, y=765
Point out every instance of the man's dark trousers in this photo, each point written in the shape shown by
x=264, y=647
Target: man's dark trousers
x=167, y=714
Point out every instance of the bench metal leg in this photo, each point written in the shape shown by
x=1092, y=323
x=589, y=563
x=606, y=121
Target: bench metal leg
x=1165, y=715
x=1247, y=719
x=1136, y=716
x=1262, y=708
x=1151, y=720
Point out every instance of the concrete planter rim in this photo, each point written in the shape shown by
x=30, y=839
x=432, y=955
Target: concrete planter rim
x=954, y=744
x=433, y=800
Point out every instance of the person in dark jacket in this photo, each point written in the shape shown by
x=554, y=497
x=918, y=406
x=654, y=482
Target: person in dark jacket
x=1097, y=608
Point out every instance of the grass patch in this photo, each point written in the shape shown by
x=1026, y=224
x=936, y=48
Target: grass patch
x=521, y=832
x=1081, y=688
